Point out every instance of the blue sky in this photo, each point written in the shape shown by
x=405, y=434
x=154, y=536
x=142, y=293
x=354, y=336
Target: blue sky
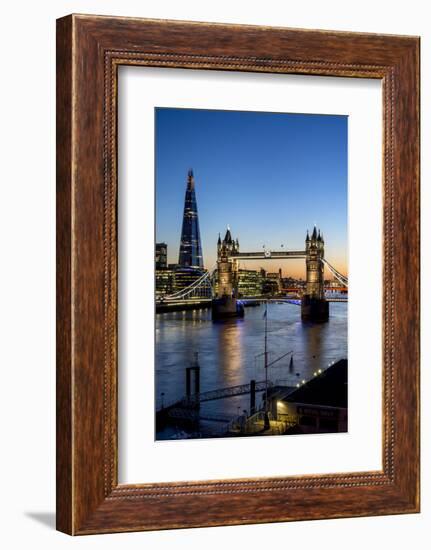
x=270, y=176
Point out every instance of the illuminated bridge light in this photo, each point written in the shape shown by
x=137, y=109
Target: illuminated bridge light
x=201, y=285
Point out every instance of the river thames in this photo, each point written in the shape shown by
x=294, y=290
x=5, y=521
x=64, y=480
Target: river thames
x=231, y=352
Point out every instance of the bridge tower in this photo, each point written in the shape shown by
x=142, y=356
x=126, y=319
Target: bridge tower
x=314, y=306
x=225, y=304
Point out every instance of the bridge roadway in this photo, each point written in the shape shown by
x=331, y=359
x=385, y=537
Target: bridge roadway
x=294, y=301
x=200, y=303
x=279, y=254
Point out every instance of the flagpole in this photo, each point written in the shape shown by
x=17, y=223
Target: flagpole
x=266, y=425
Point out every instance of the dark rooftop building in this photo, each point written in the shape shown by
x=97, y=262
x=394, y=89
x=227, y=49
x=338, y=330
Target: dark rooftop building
x=319, y=406
x=328, y=388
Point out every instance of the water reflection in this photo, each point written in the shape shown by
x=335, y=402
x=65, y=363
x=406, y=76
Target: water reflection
x=230, y=343
x=230, y=352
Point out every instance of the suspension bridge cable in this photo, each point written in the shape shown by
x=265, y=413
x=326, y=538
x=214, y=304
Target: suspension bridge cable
x=341, y=278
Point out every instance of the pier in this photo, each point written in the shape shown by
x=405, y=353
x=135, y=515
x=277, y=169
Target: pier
x=279, y=415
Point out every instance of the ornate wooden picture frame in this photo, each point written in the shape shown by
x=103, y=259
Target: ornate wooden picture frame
x=89, y=51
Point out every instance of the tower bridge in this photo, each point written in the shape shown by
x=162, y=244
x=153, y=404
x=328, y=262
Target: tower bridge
x=314, y=306
x=220, y=284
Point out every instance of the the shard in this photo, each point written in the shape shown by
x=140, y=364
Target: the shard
x=190, y=246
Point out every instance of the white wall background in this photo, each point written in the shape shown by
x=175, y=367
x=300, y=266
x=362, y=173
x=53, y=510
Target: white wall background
x=27, y=280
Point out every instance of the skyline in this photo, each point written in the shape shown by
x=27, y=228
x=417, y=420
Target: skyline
x=282, y=172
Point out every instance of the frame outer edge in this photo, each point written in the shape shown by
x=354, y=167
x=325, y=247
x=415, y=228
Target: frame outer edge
x=81, y=508
x=64, y=367
x=407, y=265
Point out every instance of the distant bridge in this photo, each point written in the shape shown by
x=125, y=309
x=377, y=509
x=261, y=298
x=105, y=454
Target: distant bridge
x=223, y=277
x=202, y=289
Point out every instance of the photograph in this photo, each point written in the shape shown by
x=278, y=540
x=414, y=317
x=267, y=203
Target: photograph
x=251, y=273
x=187, y=189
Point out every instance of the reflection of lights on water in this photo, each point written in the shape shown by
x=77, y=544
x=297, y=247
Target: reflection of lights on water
x=230, y=348
x=230, y=340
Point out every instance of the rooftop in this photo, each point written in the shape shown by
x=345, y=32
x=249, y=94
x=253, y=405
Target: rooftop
x=328, y=388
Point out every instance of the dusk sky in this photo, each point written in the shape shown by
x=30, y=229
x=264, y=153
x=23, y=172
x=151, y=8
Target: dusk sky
x=269, y=176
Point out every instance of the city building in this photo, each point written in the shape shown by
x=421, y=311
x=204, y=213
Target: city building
x=161, y=255
x=249, y=283
x=274, y=281
x=292, y=286
x=168, y=281
x=190, y=246
x=163, y=275
x=164, y=282
x=185, y=276
x=271, y=283
x=335, y=287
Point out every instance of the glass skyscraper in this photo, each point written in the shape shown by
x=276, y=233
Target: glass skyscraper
x=190, y=246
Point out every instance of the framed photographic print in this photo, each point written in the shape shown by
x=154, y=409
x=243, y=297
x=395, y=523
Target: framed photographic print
x=238, y=274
